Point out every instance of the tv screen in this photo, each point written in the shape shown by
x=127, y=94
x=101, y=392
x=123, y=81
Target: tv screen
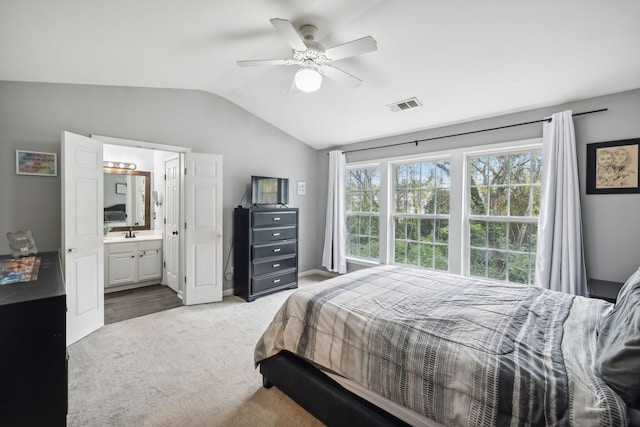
x=269, y=191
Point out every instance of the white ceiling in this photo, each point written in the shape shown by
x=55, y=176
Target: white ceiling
x=463, y=59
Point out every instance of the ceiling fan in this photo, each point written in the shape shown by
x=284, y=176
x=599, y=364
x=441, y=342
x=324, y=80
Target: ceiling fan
x=312, y=58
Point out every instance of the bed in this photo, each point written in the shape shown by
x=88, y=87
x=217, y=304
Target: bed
x=115, y=215
x=394, y=345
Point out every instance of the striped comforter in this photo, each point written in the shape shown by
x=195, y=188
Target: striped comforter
x=460, y=351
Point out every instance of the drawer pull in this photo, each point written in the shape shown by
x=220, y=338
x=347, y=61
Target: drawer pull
x=275, y=234
x=276, y=218
x=276, y=281
x=276, y=250
x=275, y=265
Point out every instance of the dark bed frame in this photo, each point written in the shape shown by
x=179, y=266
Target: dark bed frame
x=320, y=395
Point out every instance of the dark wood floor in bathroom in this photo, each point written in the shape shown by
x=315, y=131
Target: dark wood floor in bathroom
x=132, y=303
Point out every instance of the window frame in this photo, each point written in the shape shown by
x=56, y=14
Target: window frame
x=524, y=146
x=356, y=259
x=420, y=216
x=459, y=239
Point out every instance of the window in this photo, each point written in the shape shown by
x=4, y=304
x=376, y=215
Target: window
x=470, y=211
x=421, y=195
x=363, y=212
x=504, y=204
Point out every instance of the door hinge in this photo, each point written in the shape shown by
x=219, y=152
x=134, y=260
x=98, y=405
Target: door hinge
x=185, y=171
x=164, y=264
x=185, y=225
x=165, y=176
x=185, y=279
x=165, y=220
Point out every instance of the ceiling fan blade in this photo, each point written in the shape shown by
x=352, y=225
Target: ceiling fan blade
x=340, y=76
x=352, y=48
x=252, y=62
x=287, y=32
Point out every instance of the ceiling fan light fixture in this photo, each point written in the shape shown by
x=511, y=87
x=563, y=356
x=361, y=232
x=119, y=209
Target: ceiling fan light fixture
x=308, y=79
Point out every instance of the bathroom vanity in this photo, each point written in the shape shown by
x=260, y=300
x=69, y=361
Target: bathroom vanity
x=132, y=262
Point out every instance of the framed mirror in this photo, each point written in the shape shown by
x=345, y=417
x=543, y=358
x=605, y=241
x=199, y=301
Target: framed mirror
x=127, y=199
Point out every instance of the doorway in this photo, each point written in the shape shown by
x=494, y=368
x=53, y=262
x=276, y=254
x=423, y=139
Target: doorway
x=199, y=238
x=160, y=262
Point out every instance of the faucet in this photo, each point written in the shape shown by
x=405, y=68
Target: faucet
x=130, y=234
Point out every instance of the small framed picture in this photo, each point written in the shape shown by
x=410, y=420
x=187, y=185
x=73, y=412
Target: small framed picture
x=36, y=163
x=121, y=188
x=612, y=167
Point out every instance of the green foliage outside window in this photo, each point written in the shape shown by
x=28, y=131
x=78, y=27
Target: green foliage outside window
x=504, y=204
x=363, y=207
x=421, y=199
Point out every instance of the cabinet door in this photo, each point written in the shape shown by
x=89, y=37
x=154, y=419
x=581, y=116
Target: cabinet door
x=123, y=268
x=150, y=264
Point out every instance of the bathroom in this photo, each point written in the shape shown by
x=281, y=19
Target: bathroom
x=137, y=252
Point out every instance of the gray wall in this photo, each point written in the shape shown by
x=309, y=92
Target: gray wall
x=32, y=116
x=610, y=222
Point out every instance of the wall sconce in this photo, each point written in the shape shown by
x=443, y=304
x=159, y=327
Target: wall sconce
x=156, y=197
x=119, y=165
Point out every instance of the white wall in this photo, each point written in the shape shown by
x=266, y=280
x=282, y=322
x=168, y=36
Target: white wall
x=32, y=116
x=610, y=222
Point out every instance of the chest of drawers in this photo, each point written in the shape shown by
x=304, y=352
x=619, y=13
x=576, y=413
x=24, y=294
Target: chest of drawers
x=265, y=251
x=33, y=360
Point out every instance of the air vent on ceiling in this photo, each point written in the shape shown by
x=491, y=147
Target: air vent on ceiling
x=404, y=105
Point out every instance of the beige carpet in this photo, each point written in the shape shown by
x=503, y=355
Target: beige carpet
x=189, y=366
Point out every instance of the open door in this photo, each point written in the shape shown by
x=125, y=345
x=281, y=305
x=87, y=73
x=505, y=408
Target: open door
x=203, y=237
x=82, y=234
x=172, y=223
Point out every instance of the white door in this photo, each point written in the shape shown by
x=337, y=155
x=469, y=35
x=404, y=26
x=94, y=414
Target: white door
x=172, y=218
x=203, y=239
x=82, y=234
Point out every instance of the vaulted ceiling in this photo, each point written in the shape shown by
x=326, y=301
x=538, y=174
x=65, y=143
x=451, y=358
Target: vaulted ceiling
x=462, y=59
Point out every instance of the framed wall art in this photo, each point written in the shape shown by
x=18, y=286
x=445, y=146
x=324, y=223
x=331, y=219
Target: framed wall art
x=36, y=163
x=612, y=167
x=121, y=188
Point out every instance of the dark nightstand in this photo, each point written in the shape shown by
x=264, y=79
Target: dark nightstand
x=604, y=289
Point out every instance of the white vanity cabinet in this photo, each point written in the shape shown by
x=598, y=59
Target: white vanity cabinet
x=133, y=263
x=122, y=263
x=150, y=260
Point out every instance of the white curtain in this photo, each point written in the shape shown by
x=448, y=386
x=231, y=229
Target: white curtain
x=334, y=255
x=560, y=257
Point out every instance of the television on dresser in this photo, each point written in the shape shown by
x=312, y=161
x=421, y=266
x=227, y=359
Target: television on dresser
x=269, y=191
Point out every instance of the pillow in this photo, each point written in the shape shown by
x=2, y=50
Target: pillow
x=21, y=243
x=618, y=345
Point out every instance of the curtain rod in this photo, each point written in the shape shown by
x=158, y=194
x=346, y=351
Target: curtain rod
x=467, y=133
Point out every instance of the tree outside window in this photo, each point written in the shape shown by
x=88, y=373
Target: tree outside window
x=421, y=196
x=363, y=213
x=504, y=205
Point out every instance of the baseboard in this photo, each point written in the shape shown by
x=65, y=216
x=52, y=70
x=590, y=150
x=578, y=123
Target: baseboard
x=227, y=292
